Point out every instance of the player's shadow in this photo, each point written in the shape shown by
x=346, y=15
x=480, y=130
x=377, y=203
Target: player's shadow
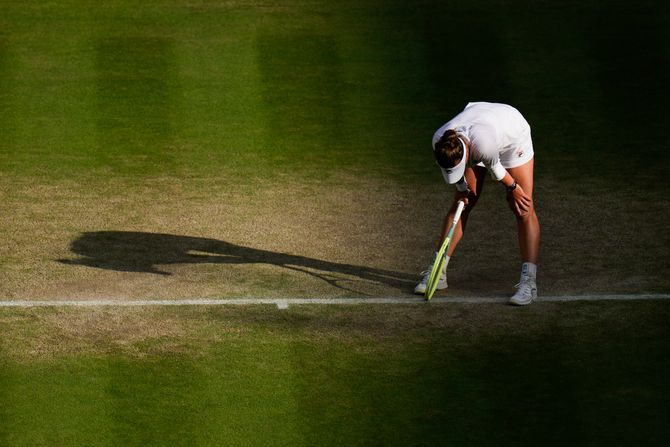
x=146, y=252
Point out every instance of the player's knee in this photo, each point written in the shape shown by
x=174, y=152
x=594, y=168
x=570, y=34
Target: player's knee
x=524, y=215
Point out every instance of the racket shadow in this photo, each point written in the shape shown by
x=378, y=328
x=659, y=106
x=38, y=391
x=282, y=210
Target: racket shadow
x=146, y=252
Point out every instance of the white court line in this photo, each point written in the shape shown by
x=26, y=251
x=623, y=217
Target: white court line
x=284, y=303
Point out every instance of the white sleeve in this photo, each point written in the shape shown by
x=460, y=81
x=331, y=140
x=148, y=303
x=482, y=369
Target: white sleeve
x=497, y=170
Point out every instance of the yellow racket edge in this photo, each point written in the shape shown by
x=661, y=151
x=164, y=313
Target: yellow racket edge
x=435, y=271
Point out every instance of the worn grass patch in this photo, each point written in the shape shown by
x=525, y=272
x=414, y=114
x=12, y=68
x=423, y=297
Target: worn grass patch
x=347, y=236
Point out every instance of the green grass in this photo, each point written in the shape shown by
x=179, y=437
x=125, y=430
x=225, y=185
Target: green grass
x=233, y=145
x=553, y=374
x=193, y=89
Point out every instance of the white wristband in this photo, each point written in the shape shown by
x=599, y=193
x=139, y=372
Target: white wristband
x=462, y=185
x=497, y=171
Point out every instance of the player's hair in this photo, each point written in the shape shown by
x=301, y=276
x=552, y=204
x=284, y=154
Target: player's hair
x=449, y=149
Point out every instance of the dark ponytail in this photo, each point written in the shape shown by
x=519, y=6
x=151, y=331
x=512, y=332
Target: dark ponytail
x=449, y=149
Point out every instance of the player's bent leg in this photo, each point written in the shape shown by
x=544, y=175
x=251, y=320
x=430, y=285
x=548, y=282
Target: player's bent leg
x=529, y=238
x=475, y=178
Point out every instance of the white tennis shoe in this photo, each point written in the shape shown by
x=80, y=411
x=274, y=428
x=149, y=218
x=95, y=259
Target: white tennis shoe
x=420, y=288
x=526, y=291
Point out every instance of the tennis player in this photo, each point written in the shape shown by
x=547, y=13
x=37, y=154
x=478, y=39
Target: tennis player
x=489, y=137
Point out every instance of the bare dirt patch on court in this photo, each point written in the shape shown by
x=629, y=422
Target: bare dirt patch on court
x=344, y=236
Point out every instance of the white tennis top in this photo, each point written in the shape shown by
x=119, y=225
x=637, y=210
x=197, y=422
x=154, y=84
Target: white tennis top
x=492, y=129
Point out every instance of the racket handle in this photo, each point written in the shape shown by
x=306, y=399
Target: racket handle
x=459, y=210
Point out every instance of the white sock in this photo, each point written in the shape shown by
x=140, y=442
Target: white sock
x=446, y=262
x=529, y=269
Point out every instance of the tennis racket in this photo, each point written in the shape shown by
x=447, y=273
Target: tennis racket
x=438, y=264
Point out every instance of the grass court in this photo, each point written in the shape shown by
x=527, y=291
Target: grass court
x=230, y=149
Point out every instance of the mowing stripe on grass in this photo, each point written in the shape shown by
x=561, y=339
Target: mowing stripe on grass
x=284, y=303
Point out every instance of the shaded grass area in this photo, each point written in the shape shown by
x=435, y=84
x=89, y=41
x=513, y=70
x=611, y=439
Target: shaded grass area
x=552, y=374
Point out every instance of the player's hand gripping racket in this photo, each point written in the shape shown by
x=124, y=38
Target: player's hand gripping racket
x=438, y=264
